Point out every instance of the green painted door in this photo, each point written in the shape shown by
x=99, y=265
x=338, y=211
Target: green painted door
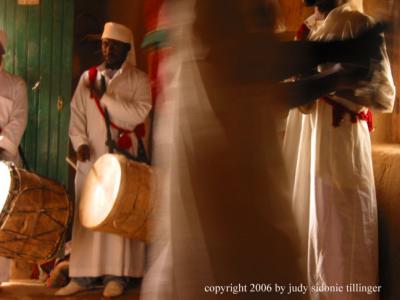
x=40, y=51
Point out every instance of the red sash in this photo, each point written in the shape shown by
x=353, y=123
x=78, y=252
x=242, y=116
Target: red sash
x=124, y=141
x=339, y=111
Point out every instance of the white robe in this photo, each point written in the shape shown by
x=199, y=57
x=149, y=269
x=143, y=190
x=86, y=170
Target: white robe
x=128, y=101
x=13, y=115
x=330, y=168
x=13, y=120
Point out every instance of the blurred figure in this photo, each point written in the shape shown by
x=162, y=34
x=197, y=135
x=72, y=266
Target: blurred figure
x=225, y=215
x=13, y=120
x=97, y=257
x=328, y=150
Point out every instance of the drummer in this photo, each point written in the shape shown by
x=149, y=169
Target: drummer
x=102, y=258
x=13, y=120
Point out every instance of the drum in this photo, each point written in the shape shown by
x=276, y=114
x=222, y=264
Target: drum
x=116, y=197
x=35, y=214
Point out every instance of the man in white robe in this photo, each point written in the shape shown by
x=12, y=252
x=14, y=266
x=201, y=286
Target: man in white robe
x=127, y=98
x=13, y=120
x=328, y=151
x=226, y=216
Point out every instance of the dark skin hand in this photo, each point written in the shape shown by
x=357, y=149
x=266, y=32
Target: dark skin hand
x=83, y=153
x=251, y=63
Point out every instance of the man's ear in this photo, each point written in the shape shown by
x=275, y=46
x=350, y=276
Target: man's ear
x=2, y=51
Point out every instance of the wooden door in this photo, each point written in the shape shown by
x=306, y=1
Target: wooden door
x=40, y=51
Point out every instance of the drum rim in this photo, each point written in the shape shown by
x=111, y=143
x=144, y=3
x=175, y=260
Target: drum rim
x=15, y=189
x=16, y=183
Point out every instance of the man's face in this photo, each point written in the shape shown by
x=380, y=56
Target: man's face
x=114, y=52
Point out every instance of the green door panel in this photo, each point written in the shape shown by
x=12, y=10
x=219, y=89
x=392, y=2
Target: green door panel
x=40, y=50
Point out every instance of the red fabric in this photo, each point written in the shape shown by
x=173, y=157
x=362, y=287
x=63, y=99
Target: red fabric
x=152, y=11
x=140, y=130
x=368, y=117
x=124, y=141
x=125, y=132
x=35, y=272
x=339, y=111
x=154, y=59
x=154, y=62
x=302, y=33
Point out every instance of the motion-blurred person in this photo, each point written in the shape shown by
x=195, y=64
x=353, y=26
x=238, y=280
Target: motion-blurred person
x=328, y=150
x=13, y=120
x=226, y=218
x=124, y=90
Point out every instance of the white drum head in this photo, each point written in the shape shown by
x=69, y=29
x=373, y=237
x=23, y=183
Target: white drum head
x=5, y=183
x=100, y=191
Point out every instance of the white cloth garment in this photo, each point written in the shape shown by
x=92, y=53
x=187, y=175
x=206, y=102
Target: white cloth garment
x=128, y=101
x=13, y=119
x=330, y=170
x=13, y=115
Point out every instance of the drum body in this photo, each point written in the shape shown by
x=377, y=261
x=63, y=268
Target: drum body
x=116, y=197
x=35, y=215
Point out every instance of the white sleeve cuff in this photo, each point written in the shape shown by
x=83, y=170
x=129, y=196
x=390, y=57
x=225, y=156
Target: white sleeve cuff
x=7, y=145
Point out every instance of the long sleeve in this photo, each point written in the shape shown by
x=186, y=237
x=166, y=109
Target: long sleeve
x=12, y=132
x=128, y=113
x=78, y=122
x=380, y=92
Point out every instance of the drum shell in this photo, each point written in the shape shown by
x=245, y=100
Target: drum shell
x=133, y=207
x=35, y=217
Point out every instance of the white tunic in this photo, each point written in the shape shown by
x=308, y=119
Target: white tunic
x=13, y=115
x=330, y=168
x=128, y=101
x=13, y=119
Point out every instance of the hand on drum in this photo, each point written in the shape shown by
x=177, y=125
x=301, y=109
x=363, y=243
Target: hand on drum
x=83, y=153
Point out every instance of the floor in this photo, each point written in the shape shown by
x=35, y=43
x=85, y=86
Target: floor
x=32, y=290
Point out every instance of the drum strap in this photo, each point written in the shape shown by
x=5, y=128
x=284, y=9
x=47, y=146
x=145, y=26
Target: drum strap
x=124, y=142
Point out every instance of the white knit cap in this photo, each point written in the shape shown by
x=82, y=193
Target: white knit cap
x=3, y=39
x=119, y=32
